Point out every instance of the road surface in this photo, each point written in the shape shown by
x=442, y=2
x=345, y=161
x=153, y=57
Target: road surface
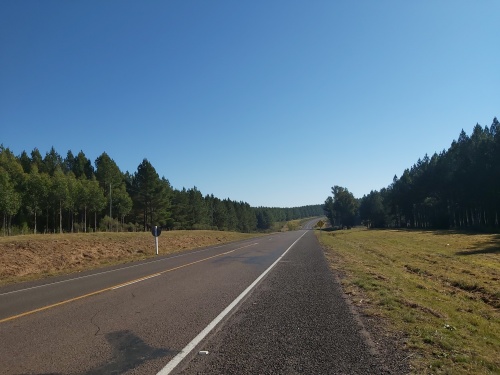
x=211, y=311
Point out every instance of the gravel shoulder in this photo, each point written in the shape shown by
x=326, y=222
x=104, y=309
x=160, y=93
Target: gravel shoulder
x=297, y=321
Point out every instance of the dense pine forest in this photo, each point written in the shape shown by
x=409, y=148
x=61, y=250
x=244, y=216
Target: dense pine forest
x=457, y=188
x=52, y=194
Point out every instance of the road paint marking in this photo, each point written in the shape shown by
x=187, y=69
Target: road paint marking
x=136, y=281
x=115, y=270
x=170, y=366
x=130, y=282
x=53, y=305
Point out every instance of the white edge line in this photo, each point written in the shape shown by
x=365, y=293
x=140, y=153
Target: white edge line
x=115, y=270
x=189, y=347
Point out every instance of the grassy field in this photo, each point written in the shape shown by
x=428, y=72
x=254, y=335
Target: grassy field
x=29, y=257
x=441, y=289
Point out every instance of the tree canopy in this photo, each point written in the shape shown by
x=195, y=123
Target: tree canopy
x=54, y=194
x=456, y=188
x=341, y=209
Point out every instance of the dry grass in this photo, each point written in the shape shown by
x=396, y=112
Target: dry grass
x=30, y=257
x=442, y=289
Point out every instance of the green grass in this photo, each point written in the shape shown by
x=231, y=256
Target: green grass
x=442, y=289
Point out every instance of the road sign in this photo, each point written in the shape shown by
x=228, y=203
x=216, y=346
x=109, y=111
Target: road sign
x=156, y=231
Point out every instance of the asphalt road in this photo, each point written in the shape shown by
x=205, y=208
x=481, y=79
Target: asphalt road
x=141, y=318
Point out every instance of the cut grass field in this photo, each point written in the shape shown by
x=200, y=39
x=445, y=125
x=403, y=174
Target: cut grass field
x=30, y=257
x=440, y=289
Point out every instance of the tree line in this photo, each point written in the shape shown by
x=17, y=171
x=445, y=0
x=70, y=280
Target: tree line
x=457, y=188
x=54, y=194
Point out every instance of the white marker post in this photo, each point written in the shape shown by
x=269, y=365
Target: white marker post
x=156, y=231
x=156, y=245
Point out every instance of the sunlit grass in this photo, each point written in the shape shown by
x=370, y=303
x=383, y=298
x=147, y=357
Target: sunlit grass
x=442, y=289
x=30, y=257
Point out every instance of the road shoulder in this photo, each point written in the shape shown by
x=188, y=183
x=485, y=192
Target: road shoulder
x=296, y=321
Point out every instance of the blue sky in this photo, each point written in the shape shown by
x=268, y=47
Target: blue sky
x=267, y=102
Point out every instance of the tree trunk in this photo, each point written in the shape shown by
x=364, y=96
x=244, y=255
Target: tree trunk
x=151, y=214
x=60, y=217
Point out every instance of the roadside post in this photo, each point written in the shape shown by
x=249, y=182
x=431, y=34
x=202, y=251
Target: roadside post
x=156, y=231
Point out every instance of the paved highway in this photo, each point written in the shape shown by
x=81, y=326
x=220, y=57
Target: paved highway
x=156, y=316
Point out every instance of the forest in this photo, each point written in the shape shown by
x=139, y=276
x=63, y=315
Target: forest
x=458, y=188
x=52, y=194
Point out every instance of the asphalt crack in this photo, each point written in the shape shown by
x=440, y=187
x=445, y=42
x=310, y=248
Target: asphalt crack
x=94, y=324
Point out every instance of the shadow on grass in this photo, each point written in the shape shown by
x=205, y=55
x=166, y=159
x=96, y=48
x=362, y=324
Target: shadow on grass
x=330, y=229
x=485, y=247
x=443, y=232
x=487, y=250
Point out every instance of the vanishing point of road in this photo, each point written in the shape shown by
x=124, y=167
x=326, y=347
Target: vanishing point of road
x=269, y=305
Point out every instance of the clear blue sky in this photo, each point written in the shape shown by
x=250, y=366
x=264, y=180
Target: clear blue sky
x=268, y=102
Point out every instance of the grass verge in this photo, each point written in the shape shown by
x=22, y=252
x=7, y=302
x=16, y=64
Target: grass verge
x=441, y=289
x=31, y=257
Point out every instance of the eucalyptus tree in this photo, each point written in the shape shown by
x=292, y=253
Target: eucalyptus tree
x=60, y=193
x=84, y=199
x=74, y=188
x=122, y=203
x=109, y=176
x=10, y=200
x=36, y=191
x=94, y=199
x=11, y=183
x=46, y=201
x=13, y=167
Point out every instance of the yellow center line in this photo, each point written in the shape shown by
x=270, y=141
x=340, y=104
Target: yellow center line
x=117, y=286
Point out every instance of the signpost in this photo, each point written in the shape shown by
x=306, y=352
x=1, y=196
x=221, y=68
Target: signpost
x=320, y=224
x=156, y=231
